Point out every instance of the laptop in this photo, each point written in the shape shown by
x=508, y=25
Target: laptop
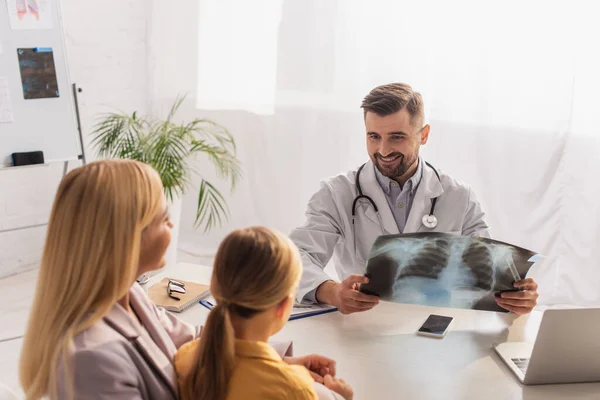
x=566, y=350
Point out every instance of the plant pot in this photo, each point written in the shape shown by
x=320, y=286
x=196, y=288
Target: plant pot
x=171, y=255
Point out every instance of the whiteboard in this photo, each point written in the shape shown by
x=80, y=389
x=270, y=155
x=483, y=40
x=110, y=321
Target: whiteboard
x=46, y=124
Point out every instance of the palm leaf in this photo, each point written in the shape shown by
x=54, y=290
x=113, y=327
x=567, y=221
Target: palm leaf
x=178, y=101
x=169, y=147
x=205, y=128
x=226, y=164
x=169, y=158
x=211, y=206
x=117, y=135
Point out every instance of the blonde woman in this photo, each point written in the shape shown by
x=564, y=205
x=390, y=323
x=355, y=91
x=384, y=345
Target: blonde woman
x=93, y=332
x=255, y=277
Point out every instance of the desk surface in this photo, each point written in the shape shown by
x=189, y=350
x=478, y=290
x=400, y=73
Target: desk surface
x=380, y=355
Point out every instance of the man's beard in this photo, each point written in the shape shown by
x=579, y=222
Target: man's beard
x=396, y=169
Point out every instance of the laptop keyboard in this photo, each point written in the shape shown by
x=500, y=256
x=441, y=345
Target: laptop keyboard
x=521, y=363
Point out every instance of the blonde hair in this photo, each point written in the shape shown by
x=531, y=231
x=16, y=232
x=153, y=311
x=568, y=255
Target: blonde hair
x=255, y=269
x=90, y=261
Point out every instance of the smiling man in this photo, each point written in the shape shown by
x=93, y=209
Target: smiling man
x=395, y=192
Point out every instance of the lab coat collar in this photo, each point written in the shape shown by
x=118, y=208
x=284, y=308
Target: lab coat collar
x=430, y=188
x=371, y=187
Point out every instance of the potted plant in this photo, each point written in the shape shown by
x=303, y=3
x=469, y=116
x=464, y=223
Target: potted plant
x=171, y=147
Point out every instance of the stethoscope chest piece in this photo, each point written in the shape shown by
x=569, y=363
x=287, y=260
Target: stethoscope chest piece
x=430, y=221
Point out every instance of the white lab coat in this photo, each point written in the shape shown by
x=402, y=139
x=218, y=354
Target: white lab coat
x=327, y=230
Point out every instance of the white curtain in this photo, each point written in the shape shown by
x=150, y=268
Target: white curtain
x=511, y=93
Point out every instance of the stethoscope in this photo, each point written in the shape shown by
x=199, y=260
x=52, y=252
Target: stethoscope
x=428, y=220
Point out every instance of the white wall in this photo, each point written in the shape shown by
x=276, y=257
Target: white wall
x=173, y=64
x=107, y=54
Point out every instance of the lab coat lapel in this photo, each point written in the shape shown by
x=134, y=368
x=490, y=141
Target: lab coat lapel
x=370, y=187
x=429, y=188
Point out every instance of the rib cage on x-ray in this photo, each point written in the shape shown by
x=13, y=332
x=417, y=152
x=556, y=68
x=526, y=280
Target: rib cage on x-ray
x=478, y=258
x=445, y=269
x=460, y=265
x=434, y=255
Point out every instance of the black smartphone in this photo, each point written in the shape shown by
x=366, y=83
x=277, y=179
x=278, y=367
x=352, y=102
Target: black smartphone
x=435, y=326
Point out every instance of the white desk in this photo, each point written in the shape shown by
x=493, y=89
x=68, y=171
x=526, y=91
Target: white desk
x=380, y=355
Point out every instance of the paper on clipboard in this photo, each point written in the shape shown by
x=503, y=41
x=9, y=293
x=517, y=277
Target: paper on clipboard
x=299, y=311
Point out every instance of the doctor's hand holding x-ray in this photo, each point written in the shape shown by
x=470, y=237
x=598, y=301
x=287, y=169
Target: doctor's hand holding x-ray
x=395, y=192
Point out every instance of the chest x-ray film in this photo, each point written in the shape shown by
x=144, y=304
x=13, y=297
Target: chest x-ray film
x=445, y=270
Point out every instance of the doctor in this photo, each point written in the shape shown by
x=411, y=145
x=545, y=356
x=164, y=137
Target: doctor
x=396, y=191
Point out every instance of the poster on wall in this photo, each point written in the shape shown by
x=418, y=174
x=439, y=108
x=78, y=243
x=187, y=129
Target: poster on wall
x=445, y=270
x=38, y=73
x=30, y=14
x=6, y=108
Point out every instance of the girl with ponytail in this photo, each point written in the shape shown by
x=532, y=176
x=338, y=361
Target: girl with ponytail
x=255, y=276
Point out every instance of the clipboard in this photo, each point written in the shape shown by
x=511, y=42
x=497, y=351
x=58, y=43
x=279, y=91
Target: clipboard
x=299, y=311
